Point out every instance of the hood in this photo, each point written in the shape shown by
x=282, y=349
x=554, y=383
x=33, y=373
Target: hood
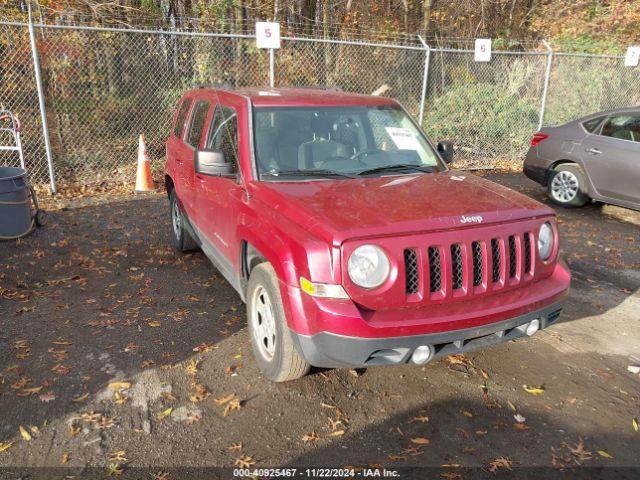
x=337, y=210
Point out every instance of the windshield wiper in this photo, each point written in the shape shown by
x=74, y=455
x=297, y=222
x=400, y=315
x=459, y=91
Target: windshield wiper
x=399, y=166
x=309, y=173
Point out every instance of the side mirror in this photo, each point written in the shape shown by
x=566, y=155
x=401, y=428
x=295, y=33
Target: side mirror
x=445, y=149
x=211, y=162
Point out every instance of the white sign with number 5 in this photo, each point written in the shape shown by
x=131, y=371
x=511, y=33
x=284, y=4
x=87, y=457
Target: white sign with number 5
x=483, y=50
x=267, y=35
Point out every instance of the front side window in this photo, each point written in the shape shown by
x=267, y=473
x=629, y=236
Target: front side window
x=623, y=127
x=198, y=119
x=182, y=116
x=223, y=134
x=343, y=141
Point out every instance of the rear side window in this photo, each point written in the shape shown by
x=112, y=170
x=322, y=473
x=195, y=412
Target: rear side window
x=591, y=125
x=182, y=116
x=198, y=118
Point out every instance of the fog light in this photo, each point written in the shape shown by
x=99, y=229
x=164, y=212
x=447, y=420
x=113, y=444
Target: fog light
x=533, y=327
x=422, y=354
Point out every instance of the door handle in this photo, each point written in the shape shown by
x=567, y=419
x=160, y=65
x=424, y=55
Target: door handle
x=593, y=151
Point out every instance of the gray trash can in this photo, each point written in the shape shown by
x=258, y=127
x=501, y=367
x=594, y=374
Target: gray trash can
x=16, y=218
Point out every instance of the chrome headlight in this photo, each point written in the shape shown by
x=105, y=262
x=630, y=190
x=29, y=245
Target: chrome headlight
x=545, y=241
x=368, y=266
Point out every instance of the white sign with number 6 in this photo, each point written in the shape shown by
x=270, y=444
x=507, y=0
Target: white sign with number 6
x=632, y=58
x=267, y=35
x=483, y=50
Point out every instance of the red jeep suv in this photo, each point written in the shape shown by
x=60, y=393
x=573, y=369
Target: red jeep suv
x=346, y=234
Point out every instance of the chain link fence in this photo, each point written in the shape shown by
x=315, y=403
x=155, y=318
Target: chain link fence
x=103, y=87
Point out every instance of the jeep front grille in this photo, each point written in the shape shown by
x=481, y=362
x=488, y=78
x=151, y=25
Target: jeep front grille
x=527, y=252
x=456, y=267
x=435, y=270
x=496, y=262
x=513, y=259
x=476, y=249
x=411, y=270
x=510, y=259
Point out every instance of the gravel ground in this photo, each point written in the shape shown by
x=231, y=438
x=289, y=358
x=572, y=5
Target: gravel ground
x=117, y=354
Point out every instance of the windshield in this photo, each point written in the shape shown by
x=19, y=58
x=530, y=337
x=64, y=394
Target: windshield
x=339, y=142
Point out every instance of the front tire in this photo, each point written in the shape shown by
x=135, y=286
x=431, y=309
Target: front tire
x=181, y=238
x=567, y=186
x=273, y=347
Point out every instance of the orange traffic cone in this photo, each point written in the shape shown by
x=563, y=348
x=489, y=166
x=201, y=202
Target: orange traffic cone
x=144, y=180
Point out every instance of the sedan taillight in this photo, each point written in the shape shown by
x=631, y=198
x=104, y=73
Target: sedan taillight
x=537, y=138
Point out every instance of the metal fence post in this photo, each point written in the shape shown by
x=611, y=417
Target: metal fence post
x=546, y=83
x=425, y=78
x=272, y=67
x=43, y=113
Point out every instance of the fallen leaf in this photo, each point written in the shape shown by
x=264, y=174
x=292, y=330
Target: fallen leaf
x=80, y=398
x=224, y=399
x=118, y=456
x=634, y=423
x=310, y=437
x=168, y=396
x=511, y=405
x=396, y=458
x=31, y=391
x=121, y=398
x=467, y=414
x=47, y=397
x=235, y=446
x=534, y=390
x=5, y=446
x=199, y=394
x=519, y=418
x=244, y=462
x=604, y=454
x=24, y=433
x=154, y=324
x=420, y=441
x=500, y=462
x=65, y=458
x=192, y=367
x=119, y=385
x=337, y=433
x=114, y=470
x=521, y=426
x=165, y=414
x=231, y=406
x=420, y=418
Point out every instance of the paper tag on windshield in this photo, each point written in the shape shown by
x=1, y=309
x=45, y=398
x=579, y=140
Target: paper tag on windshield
x=403, y=138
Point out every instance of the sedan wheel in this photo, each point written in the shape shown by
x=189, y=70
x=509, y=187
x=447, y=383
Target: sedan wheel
x=564, y=186
x=567, y=186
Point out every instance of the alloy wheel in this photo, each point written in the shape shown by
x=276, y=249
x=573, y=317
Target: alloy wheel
x=564, y=186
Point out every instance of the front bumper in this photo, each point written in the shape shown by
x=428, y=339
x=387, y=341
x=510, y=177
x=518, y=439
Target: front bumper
x=330, y=350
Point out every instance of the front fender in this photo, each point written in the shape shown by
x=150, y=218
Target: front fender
x=292, y=251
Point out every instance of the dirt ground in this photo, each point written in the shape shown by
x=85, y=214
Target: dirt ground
x=118, y=354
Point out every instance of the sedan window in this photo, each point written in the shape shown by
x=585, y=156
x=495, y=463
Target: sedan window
x=591, y=125
x=623, y=127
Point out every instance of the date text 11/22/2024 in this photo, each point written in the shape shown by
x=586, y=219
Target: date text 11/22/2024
x=315, y=473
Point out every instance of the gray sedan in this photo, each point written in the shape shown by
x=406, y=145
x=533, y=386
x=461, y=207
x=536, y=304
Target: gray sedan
x=595, y=157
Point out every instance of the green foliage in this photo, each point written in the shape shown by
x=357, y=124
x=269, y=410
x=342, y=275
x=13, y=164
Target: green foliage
x=485, y=119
